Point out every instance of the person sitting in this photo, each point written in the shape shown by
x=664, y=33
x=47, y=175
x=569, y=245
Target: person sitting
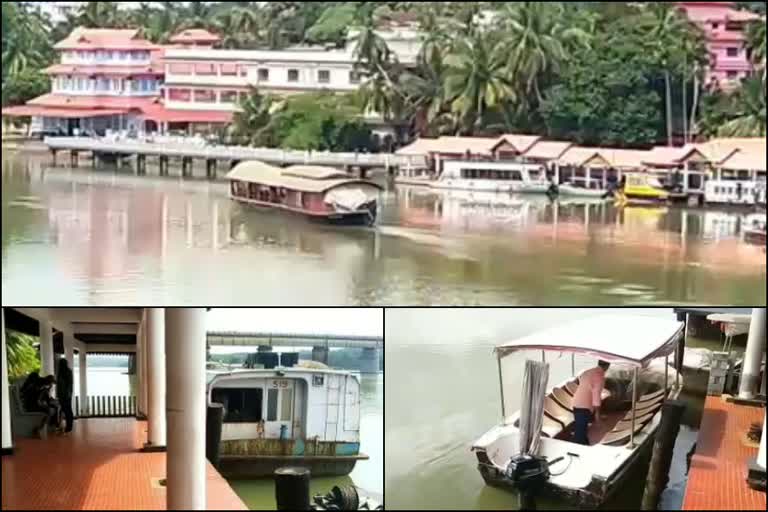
x=47, y=405
x=30, y=391
x=587, y=401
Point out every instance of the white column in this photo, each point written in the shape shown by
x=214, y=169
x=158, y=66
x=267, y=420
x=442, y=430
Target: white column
x=144, y=372
x=186, y=407
x=140, y=410
x=69, y=350
x=6, y=406
x=753, y=357
x=83, y=360
x=156, y=376
x=46, y=348
x=760, y=454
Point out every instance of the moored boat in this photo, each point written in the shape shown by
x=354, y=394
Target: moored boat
x=308, y=417
x=570, y=190
x=641, y=189
x=320, y=193
x=586, y=474
x=498, y=177
x=754, y=230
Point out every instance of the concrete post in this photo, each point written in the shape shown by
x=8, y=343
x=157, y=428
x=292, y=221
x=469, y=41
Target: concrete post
x=7, y=440
x=155, y=318
x=370, y=361
x=46, y=348
x=753, y=357
x=144, y=372
x=186, y=408
x=320, y=354
x=140, y=410
x=83, y=360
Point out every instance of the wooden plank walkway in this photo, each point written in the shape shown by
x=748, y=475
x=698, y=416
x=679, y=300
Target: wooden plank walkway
x=718, y=476
x=97, y=467
x=188, y=149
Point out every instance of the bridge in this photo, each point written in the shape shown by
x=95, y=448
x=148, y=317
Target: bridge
x=187, y=149
x=320, y=343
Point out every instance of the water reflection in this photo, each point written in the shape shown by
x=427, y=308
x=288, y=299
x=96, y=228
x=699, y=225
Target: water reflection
x=108, y=236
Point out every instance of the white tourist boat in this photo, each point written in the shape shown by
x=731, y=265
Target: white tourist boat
x=735, y=192
x=753, y=228
x=589, y=475
x=288, y=416
x=571, y=190
x=500, y=177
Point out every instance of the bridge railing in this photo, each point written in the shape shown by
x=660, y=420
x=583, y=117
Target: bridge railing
x=104, y=406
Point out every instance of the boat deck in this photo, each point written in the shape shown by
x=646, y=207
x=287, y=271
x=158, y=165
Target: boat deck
x=97, y=467
x=718, y=476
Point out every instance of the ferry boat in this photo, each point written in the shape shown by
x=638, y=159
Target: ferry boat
x=500, y=177
x=642, y=189
x=320, y=193
x=297, y=416
x=587, y=474
x=735, y=192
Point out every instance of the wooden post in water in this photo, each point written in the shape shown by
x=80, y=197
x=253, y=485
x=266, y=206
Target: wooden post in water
x=663, y=449
x=292, y=488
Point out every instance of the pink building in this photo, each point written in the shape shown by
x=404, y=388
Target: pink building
x=725, y=29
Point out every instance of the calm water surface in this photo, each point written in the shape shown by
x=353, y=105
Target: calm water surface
x=102, y=237
x=442, y=393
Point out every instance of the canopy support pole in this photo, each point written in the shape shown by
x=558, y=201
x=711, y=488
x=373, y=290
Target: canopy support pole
x=634, y=403
x=501, y=388
x=543, y=357
x=573, y=364
x=666, y=375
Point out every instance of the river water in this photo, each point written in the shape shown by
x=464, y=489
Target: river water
x=442, y=393
x=105, y=237
x=260, y=494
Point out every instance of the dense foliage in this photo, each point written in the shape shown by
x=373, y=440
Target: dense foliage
x=22, y=356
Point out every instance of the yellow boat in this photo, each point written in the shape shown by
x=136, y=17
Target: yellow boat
x=641, y=189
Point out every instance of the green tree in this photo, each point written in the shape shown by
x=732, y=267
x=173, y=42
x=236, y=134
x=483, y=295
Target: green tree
x=746, y=111
x=25, y=85
x=101, y=15
x=253, y=124
x=333, y=25
x=26, y=43
x=22, y=356
x=756, y=39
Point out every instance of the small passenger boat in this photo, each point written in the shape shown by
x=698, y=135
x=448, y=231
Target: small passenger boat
x=588, y=474
x=499, y=177
x=642, y=189
x=297, y=416
x=754, y=230
x=571, y=190
x=320, y=193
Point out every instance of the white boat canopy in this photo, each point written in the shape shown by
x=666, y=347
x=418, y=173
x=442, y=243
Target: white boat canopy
x=628, y=339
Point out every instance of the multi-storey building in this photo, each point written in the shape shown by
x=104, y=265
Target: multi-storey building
x=725, y=29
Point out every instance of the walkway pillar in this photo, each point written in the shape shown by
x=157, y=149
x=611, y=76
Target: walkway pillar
x=144, y=371
x=753, y=357
x=155, y=319
x=7, y=444
x=69, y=350
x=320, y=354
x=370, y=361
x=83, y=360
x=140, y=406
x=46, y=348
x=186, y=408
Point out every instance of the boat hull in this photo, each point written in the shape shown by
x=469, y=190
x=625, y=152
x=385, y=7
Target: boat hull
x=364, y=217
x=254, y=466
x=567, y=191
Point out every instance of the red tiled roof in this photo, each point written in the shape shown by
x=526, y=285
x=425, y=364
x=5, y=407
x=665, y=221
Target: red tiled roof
x=69, y=69
x=104, y=39
x=30, y=110
x=195, y=35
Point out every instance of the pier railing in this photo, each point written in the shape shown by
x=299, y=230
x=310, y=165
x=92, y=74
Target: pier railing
x=104, y=406
x=193, y=148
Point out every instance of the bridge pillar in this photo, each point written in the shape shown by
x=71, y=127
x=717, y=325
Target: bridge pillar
x=370, y=361
x=320, y=354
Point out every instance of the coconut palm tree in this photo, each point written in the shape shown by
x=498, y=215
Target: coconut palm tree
x=22, y=356
x=476, y=78
x=756, y=44
x=100, y=15
x=26, y=41
x=253, y=123
x=747, y=111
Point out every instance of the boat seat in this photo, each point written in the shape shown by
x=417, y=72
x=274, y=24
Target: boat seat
x=626, y=422
x=651, y=396
x=572, y=386
x=650, y=405
x=622, y=437
x=551, y=428
x=563, y=398
x=557, y=411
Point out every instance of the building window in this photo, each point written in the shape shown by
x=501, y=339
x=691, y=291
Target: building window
x=183, y=95
x=180, y=69
x=324, y=76
x=263, y=75
x=229, y=96
x=272, y=404
x=715, y=25
x=732, y=75
x=229, y=70
x=205, y=69
x=293, y=75
x=241, y=405
x=354, y=77
x=205, y=96
x=733, y=52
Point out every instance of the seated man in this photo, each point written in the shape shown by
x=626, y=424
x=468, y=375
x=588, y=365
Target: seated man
x=587, y=400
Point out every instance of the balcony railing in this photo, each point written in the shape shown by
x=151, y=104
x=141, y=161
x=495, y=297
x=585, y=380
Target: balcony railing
x=111, y=406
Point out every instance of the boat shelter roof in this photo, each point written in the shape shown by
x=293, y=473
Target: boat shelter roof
x=625, y=339
x=298, y=178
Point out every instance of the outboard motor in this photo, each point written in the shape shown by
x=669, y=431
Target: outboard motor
x=527, y=474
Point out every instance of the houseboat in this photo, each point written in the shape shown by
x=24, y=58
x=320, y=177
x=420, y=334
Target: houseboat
x=632, y=399
x=319, y=193
x=297, y=416
x=499, y=177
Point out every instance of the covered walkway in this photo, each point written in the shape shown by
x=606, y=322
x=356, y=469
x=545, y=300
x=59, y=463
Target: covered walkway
x=100, y=466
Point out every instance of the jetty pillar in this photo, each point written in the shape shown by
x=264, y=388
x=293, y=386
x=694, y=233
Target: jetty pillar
x=320, y=354
x=7, y=439
x=186, y=167
x=753, y=357
x=141, y=165
x=292, y=488
x=82, y=356
x=363, y=173
x=370, y=361
x=156, y=428
x=663, y=449
x=213, y=428
x=163, y=164
x=73, y=159
x=186, y=408
x=210, y=169
x=46, y=348
x=53, y=158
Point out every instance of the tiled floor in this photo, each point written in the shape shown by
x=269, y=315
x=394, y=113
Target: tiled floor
x=98, y=466
x=717, y=480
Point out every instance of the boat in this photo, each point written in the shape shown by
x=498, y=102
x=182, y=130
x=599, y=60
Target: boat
x=642, y=189
x=753, y=230
x=298, y=416
x=571, y=190
x=588, y=474
x=320, y=193
x=499, y=177
x=735, y=192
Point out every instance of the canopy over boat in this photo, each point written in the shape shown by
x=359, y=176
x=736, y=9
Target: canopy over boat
x=626, y=339
x=300, y=178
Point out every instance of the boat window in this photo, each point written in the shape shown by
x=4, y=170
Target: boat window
x=272, y=405
x=242, y=405
x=286, y=405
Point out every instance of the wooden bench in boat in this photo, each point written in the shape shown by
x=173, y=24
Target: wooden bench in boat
x=563, y=398
x=572, y=386
x=647, y=407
